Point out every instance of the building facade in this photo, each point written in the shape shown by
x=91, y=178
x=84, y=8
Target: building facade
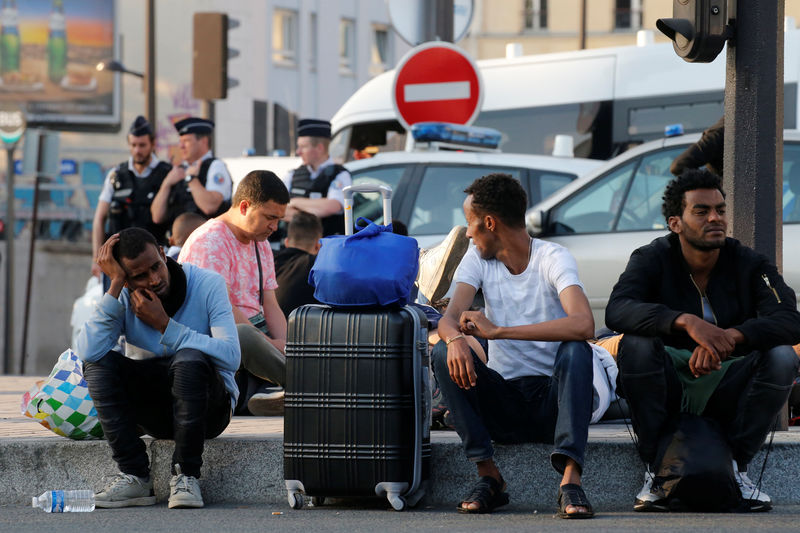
x=543, y=26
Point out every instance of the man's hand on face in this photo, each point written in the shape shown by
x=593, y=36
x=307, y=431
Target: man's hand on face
x=148, y=308
x=105, y=260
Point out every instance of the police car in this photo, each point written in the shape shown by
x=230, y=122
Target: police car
x=428, y=180
x=604, y=216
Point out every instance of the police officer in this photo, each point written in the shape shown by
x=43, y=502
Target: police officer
x=316, y=186
x=129, y=189
x=201, y=184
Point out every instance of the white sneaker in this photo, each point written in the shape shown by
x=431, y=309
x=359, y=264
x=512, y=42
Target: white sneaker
x=125, y=490
x=755, y=499
x=267, y=402
x=438, y=264
x=647, y=500
x=184, y=491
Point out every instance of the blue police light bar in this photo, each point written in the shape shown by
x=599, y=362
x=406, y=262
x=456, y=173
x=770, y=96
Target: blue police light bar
x=673, y=130
x=456, y=134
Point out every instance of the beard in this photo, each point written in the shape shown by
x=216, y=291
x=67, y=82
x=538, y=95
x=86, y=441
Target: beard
x=705, y=245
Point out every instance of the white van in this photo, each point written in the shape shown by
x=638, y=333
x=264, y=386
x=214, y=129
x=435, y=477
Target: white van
x=238, y=167
x=607, y=99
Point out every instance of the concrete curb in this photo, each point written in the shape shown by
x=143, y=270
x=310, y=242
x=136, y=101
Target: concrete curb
x=249, y=469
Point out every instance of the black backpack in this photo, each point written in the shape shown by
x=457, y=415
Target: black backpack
x=695, y=471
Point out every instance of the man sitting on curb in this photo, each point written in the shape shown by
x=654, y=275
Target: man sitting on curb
x=706, y=319
x=537, y=386
x=235, y=245
x=175, y=381
x=293, y=263
x=183, y=226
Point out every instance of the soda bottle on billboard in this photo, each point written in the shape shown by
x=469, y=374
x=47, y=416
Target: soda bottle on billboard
x=9, y=40
x=57, y=44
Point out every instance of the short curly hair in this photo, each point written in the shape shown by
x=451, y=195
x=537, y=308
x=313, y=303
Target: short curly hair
x=502, y=196
x=132, y=243
x=690, y=179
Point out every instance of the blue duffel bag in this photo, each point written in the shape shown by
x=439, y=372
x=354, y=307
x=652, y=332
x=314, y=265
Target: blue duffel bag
x=371, y=267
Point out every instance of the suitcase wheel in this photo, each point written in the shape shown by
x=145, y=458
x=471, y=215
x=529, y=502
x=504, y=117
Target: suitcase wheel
x=318, y=501
x=398, y=502
x=296, y=500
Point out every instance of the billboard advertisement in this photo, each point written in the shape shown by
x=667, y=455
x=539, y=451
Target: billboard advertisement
x=49, y=50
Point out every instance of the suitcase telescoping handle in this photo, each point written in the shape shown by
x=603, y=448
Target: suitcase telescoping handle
x=350, y=190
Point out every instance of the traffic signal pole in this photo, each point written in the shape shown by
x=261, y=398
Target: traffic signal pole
x=438, y=25
x=150, y=66
x=9, y=236
x=753, y=153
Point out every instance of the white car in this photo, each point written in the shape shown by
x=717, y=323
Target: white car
x=428, y=186
x=604, y=216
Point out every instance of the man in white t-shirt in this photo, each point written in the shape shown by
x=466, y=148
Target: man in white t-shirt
x=234, y=245
x=537, y=385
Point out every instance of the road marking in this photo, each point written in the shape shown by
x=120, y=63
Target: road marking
x=429, y=92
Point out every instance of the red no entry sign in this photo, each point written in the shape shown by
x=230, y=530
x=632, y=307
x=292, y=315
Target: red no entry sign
x=437, y=82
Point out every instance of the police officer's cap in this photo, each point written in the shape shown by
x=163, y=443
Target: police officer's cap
x=199, y=126
x=311, y=127
x=140, y=127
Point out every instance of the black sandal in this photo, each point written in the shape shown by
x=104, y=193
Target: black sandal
x=572, y=494
x=488, y=493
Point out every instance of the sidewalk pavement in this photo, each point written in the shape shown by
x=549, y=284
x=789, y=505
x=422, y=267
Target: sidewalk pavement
x=245, y=463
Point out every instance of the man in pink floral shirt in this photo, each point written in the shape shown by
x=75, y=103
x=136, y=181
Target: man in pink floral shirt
x=235, y=245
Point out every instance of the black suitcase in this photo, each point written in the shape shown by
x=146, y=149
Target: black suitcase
x=357, y=405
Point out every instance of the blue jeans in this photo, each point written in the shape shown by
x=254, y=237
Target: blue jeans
x=745, y=403
x=180, y=397
x=551, y=409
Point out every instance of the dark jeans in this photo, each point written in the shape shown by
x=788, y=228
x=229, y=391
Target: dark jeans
x=745, y=403
x=180, y=397
x=551, y=409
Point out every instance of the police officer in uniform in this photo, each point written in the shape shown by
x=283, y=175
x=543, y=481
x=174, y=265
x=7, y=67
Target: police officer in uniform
x=201, y=184
x=316, y=186
x=129, y=190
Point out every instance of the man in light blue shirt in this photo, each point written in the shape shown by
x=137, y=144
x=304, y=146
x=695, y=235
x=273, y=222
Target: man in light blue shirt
x=176, y=379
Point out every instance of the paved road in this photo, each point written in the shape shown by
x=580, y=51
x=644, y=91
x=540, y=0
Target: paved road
x=228, y=518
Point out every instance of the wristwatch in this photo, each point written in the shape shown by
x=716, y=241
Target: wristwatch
x=189, y=177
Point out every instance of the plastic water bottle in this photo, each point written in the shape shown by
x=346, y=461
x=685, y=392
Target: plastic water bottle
x=65, y=501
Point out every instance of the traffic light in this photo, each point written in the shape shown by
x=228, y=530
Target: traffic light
x=698, y=29
x=210, y=56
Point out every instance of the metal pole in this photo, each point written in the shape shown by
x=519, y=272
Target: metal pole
x=583, y=25
x=34, y=230
x=29, y=282
x=209, y=112
x=753, y=151
x=10, y=223
x=150, y=66
x=439, y=25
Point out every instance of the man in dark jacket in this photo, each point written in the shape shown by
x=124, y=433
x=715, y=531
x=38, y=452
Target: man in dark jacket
x=708, y=326
x=293, y=263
